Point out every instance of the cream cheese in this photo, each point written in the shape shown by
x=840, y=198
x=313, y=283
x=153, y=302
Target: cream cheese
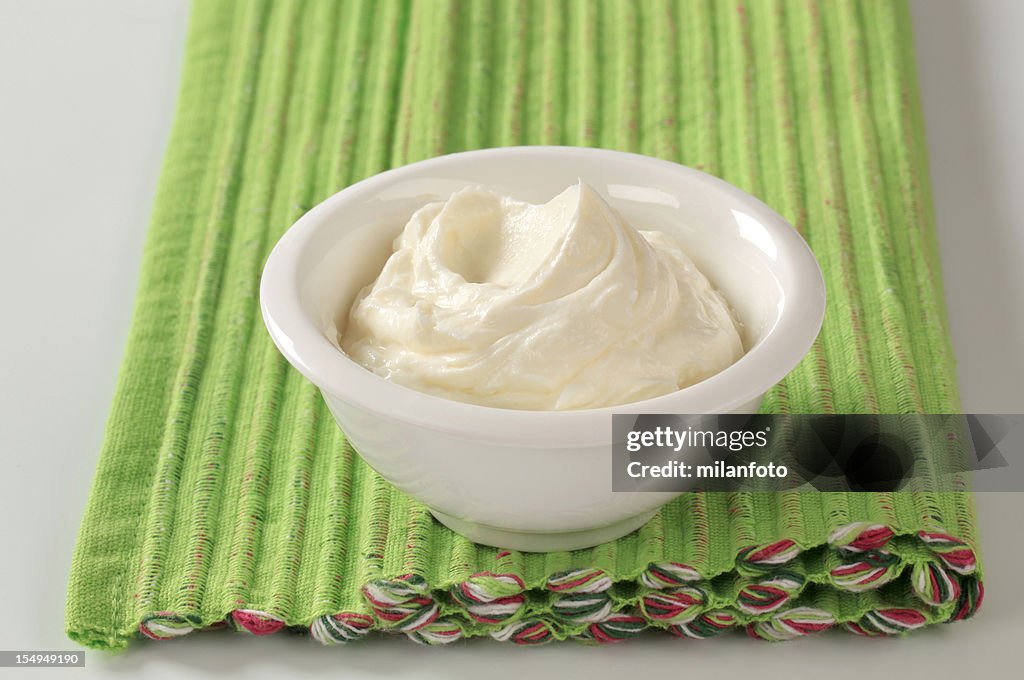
x=564, y=305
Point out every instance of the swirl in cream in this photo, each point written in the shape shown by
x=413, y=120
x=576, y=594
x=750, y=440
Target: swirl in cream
x=564, y=305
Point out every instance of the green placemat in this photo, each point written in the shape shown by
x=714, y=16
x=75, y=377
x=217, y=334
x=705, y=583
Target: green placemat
x=226, y=493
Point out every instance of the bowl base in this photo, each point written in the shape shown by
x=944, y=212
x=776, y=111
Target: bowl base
x=534, y=541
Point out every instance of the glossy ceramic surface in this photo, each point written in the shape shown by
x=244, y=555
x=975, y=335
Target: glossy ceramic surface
x=532, y=480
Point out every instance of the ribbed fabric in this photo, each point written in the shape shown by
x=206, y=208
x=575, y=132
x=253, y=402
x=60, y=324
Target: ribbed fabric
x=225, y=492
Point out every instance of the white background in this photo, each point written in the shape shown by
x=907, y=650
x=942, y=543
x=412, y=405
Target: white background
x=87, y=92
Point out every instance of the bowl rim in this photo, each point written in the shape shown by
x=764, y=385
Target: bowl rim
x=304, y=345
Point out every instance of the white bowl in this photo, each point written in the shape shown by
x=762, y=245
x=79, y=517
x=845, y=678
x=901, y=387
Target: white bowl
x=532, y=480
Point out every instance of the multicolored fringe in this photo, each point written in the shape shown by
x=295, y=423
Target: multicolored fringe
x=402, y=604
x=971, y=596
x=490, y=598
x=933, y=584
x=759, y=559
x=794, y=623
x=705, y=626
x=167, y=625
x=678, y=605
x=887, y=622
x=440, y=632
x=953, y=552
x=674, y=597
x=871, y=569
x=340, y=628
x=616, y=628
x=669, y=575
x=771, y=593
x=581, y=595
x=255, y=622
x=861, y=536
x=532, y=632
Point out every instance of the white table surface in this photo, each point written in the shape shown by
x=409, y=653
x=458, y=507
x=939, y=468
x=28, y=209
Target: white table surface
x=87, y=92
